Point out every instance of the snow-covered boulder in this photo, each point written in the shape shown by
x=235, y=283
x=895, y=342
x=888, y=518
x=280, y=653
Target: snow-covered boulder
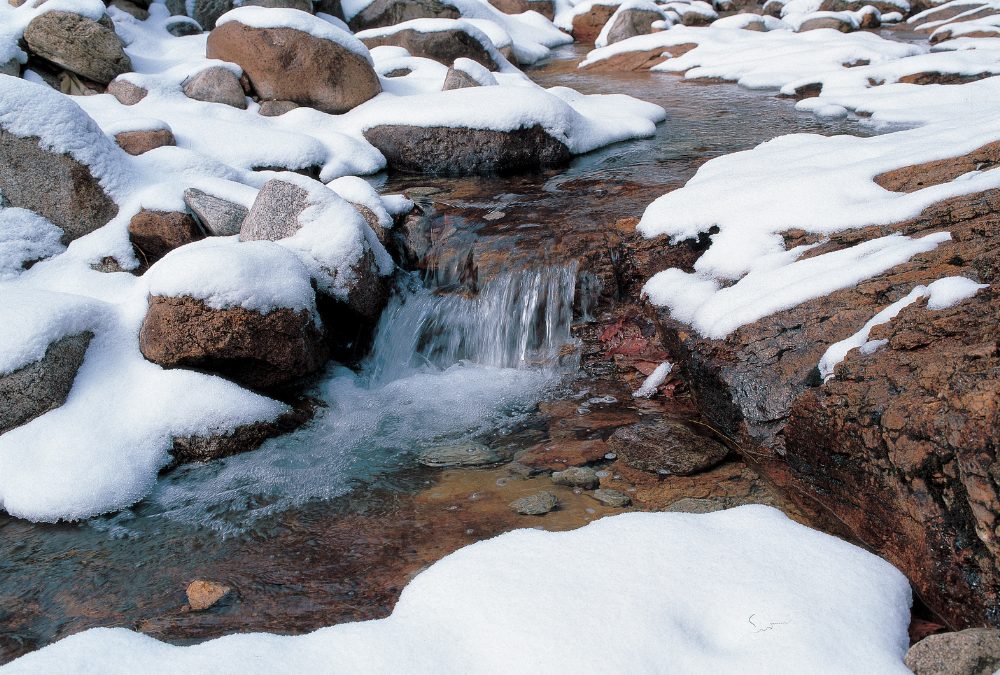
x=55, y=160
x=546, y=8
x=244, y=310
x=126, y=92
x=590, y=17
x=79, y=44
x=289, y=55
x=381, y=13
x=632, y=18
x=442, y=40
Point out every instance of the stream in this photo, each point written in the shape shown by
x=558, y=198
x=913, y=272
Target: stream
x=493, y=341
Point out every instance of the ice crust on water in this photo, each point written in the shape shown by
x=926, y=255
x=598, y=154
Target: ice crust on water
x=940, y=294
x=744, y=591
x=224, y=272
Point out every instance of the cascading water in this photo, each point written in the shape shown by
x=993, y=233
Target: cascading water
x=443, y=369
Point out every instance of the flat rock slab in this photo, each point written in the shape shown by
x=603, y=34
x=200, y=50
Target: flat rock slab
x=78, y=44
x=667, y=448
x=694, y=505
x=466, y=151
x=613, y=498
x=535, y=505
x=460, y=454
x=559, y=454
x=285, y=64
x=43, y=385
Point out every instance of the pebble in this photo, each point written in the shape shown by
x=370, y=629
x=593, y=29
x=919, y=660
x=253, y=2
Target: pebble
x=612, y=498
x=535, y=505
x=203, y=594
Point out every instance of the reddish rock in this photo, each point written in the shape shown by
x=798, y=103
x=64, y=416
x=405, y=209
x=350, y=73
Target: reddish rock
x=587, y=26
x=443, y=46
x=898, y=452
x=919, y=176
x=558, y=454
x=639, y=60
x=138, y=142
x=256, y=350
x=546, y=8
x=285, y=64
x=126, y=92
x=156, y=233
x=666, y=448
x=203, y=594
x=935, y=77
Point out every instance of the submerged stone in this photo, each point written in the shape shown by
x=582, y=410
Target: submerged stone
x=460, y=454
x=535, y=505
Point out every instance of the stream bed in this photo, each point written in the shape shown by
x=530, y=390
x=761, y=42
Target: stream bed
x=327, y=524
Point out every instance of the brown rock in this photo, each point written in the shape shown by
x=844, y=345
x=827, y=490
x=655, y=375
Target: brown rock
x=126, y=92
x=301, y=5
x=773, y=8
x=459, y=150
x=632, y=22
x=535, y=505
x=156, y=233
x=825, y=22
x=693, y=18
x=895, y=451
x=639, y=60
x=44, y=385
x=944, y=14
x=667, y=448
x=587, y=26
x=856, y=5
x=285, y=64
x=138, y=142
x=78, y=44
x=546, y=8
x=612, y=498
x=919, y=176
x=56, y=187
x=382, y=13
x=458, y=79
x=131, y=8
x=372, y=221
x=216, y=85
x=276, y=108
x=935, y=77
x=577, y=476
x=442, y=46
x=975, y=651
x=256, y=350
x=204, y=594
x=560, y=454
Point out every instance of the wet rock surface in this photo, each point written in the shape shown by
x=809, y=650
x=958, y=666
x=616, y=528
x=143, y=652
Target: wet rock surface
x=463, y=454
x=581, y=477
x=668, y=448
x=535, y=505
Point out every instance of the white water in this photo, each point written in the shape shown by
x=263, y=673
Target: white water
x=443, y=369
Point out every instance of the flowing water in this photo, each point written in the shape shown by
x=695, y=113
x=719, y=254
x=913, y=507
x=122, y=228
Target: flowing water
x=327, y=523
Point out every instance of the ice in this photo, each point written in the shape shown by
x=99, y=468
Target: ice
x=744, y=591
x=655, y=379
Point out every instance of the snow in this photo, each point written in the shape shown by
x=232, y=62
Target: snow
x=476, y=71
x=941, y=294
x=269, y=17
x=743, y=591
x=440, y=26
x=24, y=237
x=255, y=275
x=359, y=191
x=655, y=379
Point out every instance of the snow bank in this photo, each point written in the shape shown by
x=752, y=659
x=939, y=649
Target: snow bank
x=224, y=272
x=270, y=17
x=359, y=191
x=24, y=237
x=743, y=591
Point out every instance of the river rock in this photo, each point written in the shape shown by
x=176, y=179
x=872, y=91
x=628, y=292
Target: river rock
x=632, y=22
x=857, y=5
x=577, y=476
x=587, y=26
x=975, y=651
x=285, y=64
x=39, y=387
x=443, y=46
x=820, y=22
x=535, y=505
x=613, y=498
x=144, y=140
x=773, y=8
x=216, y=85
x=546, y=8
x=462, y=150
x=78, y=44
x=219, y=217
x=203, y=594
x=458, y=79
x=256, y=350
x=383, y=13
x=139, y=13
x=897, y=445
x=919, y=176
x=461, y=454
x=207, y=12
x=276, y=108
x=666, y=448
x=126, y=92
x=156, y=233
x=558, y=454
x=301, y=5
x=183, y=26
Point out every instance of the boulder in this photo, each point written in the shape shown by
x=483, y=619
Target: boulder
x=256, y=350
x=43, y=385
x=126, y=92
x=301, y=5
x=383, y=13
x=276, y=108
x=667, y=448
x=639, y=60
x=285, y=64
x=216, y=85
x=700, y=16
x=632, y=22
x=587, y=26
x=78, y=44
x=975, y=651
x=897, y=451
x=820, y=22
x=131, y=8
x=773, y=8
x=139, y=142
x=464, y=151
x=56, y=187
x=331, y=7
x=613, y=498
x=546, y=8
x=275, y=212
x=156, y=233
x=219, y=217
x=443, y=46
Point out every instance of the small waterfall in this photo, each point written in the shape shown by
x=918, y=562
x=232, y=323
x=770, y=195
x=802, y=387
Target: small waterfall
x=520, y=319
